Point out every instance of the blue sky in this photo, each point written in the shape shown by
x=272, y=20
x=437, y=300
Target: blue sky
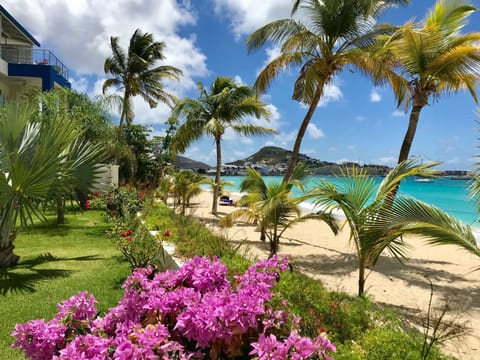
x=206, y=39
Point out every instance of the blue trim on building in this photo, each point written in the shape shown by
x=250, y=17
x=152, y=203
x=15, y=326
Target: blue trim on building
x=47, y=73
x=20, y=27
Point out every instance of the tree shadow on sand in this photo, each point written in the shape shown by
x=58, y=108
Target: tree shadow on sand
x=414, y=272
x=25, y=276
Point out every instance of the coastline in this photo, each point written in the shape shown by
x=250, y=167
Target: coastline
x=307, y=208
x=330, y=259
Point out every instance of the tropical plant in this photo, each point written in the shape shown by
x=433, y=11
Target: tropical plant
x=186, y=185
x=273, y=207
x=33, y=154
x=377, y=223
x=432, y=58
x=136, y=72
x=212, y=113
x=331, y=37
x=83, y=156
x=254, y=183
x=163, y=148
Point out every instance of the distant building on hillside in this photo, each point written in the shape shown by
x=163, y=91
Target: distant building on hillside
x=23, y=64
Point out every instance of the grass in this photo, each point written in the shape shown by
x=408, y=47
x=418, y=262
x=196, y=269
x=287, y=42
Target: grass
x=58, y=261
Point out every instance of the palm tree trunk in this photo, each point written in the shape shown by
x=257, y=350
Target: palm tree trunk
x=218, y=173
x=7, y=237
x=301, y=133
x=60, y=210
x=407, y=142
x=361, y=276
x=410, y=134
x=274, y=241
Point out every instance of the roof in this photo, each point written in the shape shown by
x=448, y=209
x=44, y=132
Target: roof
x=18, y=26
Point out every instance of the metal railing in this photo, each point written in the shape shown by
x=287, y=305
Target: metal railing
x=18, y=54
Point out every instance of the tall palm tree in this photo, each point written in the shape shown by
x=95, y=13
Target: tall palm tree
x=433, y=59
x=33, y=154
x=331, y=38
x=273, y=208
x=378, y=224
x=136, y=72
x=212, y=113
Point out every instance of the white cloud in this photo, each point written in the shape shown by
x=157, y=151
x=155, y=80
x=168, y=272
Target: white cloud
x=314, y=132
x=331, y=93
x=238, y=80
x=360, y=118
x=247, y=16
x=375, y=96
x=399, y=113
x=351, y=147
x=386, y=160
x=274, y=120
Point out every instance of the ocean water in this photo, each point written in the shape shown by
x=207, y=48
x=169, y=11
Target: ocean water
x=449, y=195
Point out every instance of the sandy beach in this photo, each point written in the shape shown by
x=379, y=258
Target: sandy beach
x=330, y=259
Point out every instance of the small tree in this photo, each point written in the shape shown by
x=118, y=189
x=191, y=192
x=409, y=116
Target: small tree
x=273, y=207
x=378, y=224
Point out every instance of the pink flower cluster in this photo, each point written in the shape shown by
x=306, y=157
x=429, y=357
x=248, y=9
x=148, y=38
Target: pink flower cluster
x=191, y=313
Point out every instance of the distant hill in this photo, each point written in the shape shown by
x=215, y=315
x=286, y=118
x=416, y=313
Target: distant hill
x=272, y=155
x=186, y=163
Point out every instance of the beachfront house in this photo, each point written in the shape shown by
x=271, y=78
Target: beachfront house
x=23, y=63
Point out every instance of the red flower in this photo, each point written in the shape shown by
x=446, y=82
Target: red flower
x=87, y=205
x=126, y=233
x=129, y=239
x=166, y=233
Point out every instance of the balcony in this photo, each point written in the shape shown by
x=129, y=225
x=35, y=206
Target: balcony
x=15, y=54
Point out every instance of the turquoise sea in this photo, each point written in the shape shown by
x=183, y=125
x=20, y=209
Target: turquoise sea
x=447, y=194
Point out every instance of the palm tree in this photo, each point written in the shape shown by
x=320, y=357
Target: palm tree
x=432, y=59
x=377, y=224
x=331, y=38
x=33, y=154
x=273, y=207
x=137, y=73
x=212, y=113
x=186, y=185
x=254, y=183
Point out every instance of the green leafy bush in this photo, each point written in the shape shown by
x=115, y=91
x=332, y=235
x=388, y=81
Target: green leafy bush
x=386, y=343
x=137, y=244
x=123, y=202
x=342, y=317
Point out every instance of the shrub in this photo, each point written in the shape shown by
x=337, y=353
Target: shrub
x=191, y=313
x=386, y=343
x=96, y=201
x=123, y=202
x=344, y=318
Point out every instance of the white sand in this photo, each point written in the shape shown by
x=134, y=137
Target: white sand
x=320, y=254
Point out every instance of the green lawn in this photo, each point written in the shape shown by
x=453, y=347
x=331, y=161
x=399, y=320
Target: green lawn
x=57, y=262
